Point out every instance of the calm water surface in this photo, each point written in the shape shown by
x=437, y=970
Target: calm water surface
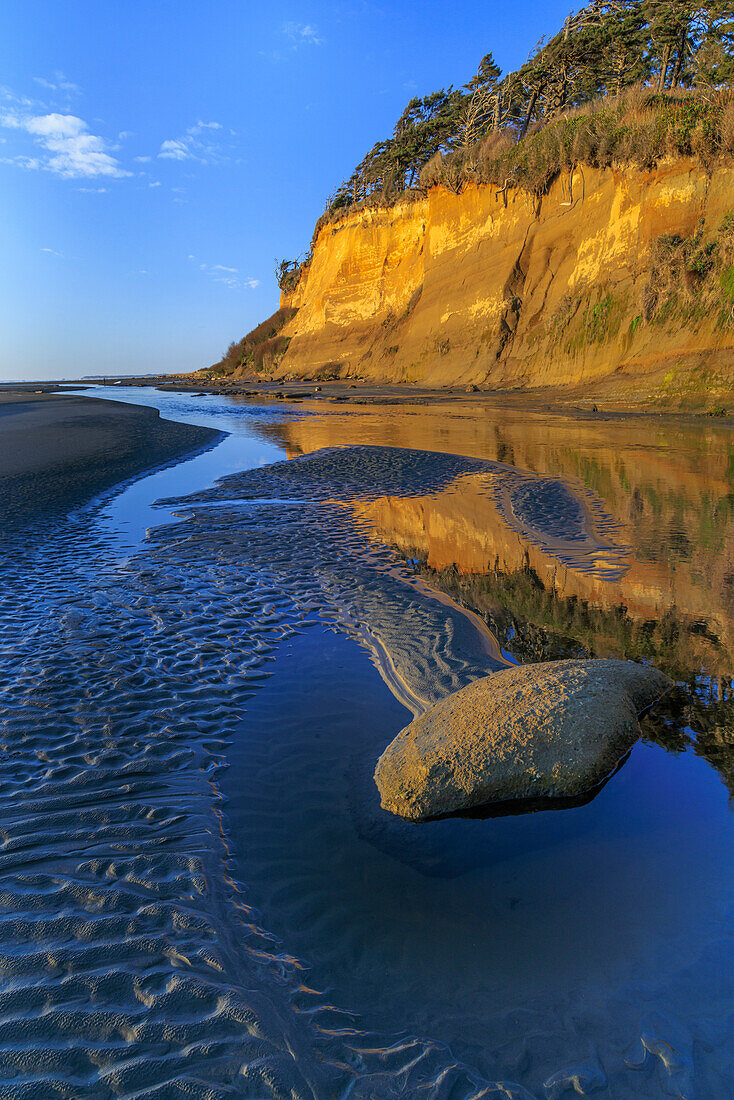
x=202, y=894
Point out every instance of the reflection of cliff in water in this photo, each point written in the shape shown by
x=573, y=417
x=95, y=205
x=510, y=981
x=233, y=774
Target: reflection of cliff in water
x=671, y=486
x=669, y=483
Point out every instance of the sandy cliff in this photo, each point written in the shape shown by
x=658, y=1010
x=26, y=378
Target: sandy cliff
x=515, y=291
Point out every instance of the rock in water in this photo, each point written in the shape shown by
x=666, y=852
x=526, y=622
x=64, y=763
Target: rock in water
x=550, y=730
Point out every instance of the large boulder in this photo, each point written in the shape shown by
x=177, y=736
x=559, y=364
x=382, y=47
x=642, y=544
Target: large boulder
x=551, y=730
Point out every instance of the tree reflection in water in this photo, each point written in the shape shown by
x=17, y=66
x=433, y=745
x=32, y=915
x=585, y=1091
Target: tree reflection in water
x=534, y=622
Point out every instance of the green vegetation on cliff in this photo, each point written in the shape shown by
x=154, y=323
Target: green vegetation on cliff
x=692, y=277
x=259, y=350
x=623, y=81
x=607, y=48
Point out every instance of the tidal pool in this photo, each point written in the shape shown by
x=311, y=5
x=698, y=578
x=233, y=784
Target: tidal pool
x=202, y=896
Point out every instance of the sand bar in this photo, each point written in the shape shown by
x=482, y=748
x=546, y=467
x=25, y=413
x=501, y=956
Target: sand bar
x=58, y=451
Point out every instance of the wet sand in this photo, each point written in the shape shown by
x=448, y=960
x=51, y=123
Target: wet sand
x=535, y=950
x=58, y=451
x=577, y=403
x=200, y=893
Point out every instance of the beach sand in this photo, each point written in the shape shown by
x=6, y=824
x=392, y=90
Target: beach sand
x=58, y=451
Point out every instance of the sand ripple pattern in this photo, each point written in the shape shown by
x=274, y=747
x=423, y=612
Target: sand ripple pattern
x=120, y=976
x=567, y=521
x=131, y=963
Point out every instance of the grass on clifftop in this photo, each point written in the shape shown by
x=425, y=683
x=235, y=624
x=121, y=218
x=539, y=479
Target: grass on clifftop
x=638, y=128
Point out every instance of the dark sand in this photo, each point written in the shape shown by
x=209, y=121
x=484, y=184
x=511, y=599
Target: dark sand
x=57, y=452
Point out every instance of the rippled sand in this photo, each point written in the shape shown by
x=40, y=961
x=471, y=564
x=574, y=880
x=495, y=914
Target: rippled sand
x=136, y=961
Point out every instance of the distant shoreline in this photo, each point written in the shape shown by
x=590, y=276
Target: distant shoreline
x=546, y=401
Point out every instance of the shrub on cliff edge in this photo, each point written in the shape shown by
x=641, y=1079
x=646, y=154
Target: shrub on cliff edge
x=260, y=349
x=692, y=277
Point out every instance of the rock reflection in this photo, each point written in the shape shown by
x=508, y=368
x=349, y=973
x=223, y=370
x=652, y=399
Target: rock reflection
x=519, y=806
x=534, y=622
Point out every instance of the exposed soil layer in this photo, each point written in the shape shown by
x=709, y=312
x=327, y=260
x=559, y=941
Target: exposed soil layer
x=516, y=291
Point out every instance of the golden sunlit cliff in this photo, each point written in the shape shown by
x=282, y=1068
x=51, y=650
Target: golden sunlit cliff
x=510, y=290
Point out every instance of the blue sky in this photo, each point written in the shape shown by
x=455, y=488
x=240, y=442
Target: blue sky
x=157, y=156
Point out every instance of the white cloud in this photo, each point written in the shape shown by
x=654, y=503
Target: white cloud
x=58, y=84
x=16, y=100
x=174, y=150
x=227, y=276
x=302, y=34
x=154, y=183
x=52, y=252
x=68, y=148
x=54, y=126
x=11, y=120
x=22, y=162
x=196, y=144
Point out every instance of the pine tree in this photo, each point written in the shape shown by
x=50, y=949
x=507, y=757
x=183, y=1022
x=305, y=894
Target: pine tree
x=487, y=74
x=672, y=28
x=714, y=61
x=427, y=126
x=620, y=47
x=606, y=47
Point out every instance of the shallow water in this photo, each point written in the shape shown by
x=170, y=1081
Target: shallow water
x=201, y=895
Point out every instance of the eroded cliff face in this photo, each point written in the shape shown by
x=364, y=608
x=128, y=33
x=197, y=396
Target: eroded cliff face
x=509, y=291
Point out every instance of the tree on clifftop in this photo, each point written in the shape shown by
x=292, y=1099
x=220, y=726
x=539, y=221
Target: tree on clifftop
x=427, y=126
x=714, y=60
x=672, y=29
x=601, y=50
x=484, y=106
